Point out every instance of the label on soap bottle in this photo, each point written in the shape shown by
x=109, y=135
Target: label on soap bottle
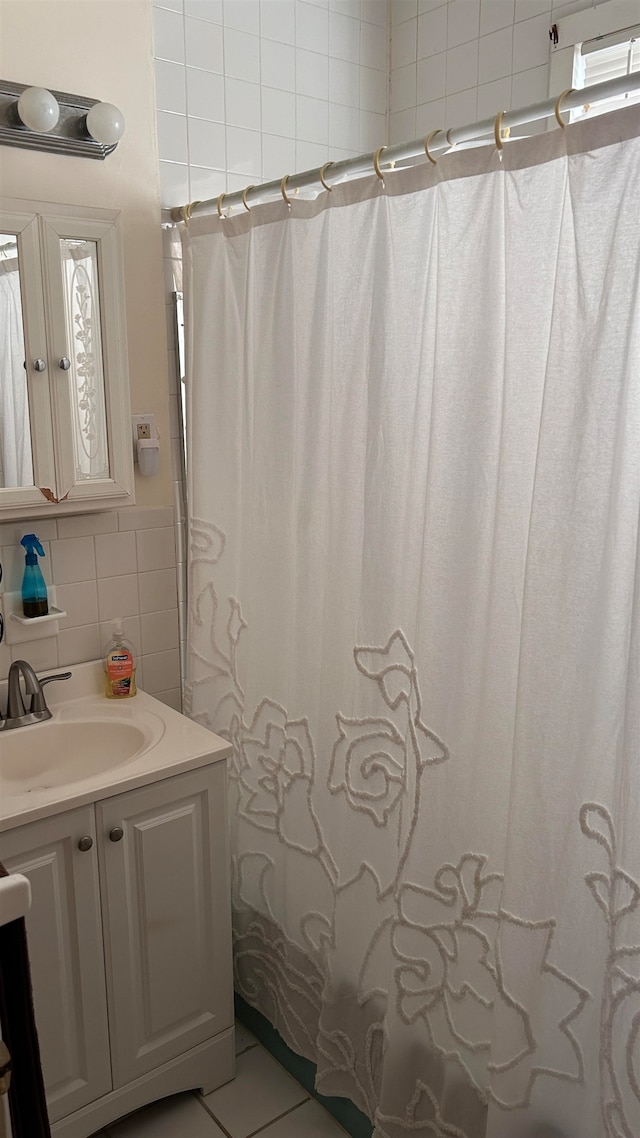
x=120, y=674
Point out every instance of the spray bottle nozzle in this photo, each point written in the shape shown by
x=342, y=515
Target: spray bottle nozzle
x=32, y=546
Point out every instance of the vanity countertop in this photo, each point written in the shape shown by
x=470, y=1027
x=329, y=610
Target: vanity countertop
x=81, y=754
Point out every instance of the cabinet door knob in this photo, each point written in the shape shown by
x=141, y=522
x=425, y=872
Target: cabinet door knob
x=39, y=365
x=85, y=844
x=64, y=362
x=116, y=834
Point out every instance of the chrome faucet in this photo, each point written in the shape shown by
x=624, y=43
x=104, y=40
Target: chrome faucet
x=17, y=713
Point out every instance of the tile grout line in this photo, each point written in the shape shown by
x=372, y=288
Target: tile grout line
x=213, y=1118
x=200, y=1098
x=279, y=1117
x=261, y=1129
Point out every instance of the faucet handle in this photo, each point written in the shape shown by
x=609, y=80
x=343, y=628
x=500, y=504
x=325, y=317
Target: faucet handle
x=55, y=676
x=37, y=700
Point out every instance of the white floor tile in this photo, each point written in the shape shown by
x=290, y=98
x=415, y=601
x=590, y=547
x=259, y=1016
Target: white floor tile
x=244, y=1038
x=260, y=1092
x=310, y=1120
x=179, y=1115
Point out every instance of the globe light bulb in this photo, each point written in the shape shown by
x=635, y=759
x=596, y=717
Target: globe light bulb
x=105, y=123
x=38, y=109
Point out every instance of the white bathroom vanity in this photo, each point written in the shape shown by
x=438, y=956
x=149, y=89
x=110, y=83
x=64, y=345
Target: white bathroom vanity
x=116, y=813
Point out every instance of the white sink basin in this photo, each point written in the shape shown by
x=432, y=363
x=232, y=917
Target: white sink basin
x=93, y=748
x=59, y=752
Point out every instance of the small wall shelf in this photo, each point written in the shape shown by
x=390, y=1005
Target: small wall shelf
x=19, y=629
x=28, y=621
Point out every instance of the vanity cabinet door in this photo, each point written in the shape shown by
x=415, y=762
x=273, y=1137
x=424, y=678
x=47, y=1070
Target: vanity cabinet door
x=166, y=913
x=65, y=950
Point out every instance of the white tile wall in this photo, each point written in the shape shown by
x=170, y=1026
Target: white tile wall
x=262, y=67
x=249, y=90
x=463, y=21
x=104, y=565
x=474, y=58
x=278, y=21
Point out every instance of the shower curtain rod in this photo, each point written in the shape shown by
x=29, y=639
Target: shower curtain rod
x=386, y=157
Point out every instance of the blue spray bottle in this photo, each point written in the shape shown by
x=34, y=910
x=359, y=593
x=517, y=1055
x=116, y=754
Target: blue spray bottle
x=34, y=590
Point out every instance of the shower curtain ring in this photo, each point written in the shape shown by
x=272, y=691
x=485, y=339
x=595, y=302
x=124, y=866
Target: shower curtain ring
x=498, y=133
x=283, y=189
x=244, y=197
x=427, y=140
x=376, y=163
x=322, y=178
x=188, y=209
x=557, y=111
x=219, y=206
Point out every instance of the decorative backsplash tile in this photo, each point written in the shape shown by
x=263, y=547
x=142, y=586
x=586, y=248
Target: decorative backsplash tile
x=104, y=565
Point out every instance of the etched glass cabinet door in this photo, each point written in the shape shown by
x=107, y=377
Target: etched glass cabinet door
x=64, y=393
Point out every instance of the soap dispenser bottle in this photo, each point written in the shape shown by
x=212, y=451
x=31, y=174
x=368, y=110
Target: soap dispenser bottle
x=119, y=665
x=34, y=590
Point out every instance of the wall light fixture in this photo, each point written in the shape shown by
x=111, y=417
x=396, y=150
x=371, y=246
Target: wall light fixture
x=38, y=109
x=38, y=119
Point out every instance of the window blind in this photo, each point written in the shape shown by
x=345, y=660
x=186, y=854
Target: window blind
x=608, y=57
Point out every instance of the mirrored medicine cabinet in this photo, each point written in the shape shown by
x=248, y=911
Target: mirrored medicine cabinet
x=65, y=443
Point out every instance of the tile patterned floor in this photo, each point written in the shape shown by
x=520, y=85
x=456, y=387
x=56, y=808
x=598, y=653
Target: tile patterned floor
x=263, y=1100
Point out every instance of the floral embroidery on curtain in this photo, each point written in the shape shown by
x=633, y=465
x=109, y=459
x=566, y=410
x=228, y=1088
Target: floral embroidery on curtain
x=445, y=939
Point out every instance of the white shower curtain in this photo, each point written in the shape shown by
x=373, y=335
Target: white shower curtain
x=414, y=463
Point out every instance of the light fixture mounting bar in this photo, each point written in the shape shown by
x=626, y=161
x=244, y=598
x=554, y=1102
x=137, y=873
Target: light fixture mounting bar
x=69, y=135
